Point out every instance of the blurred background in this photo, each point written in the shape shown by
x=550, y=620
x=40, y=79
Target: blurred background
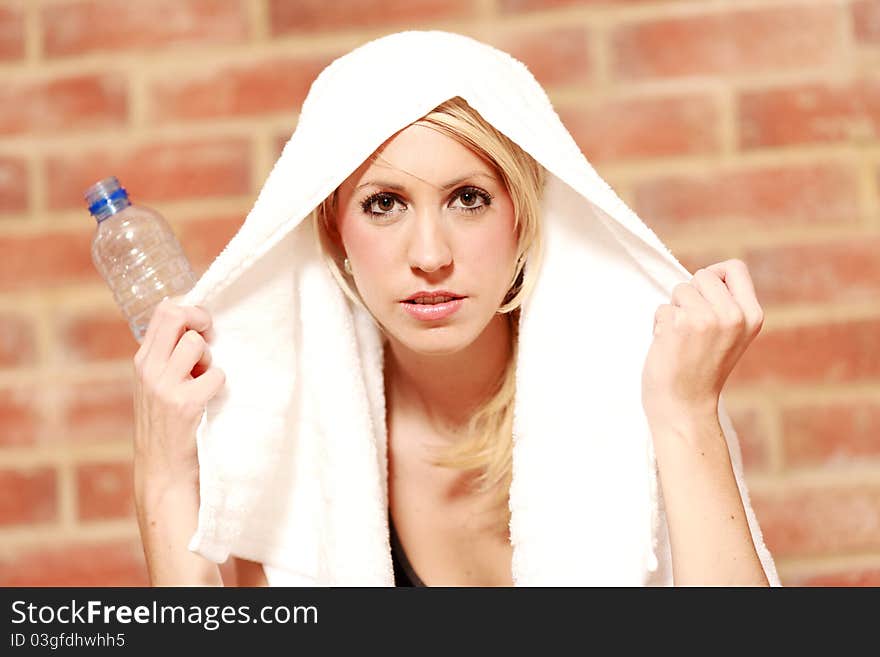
x=735, y=128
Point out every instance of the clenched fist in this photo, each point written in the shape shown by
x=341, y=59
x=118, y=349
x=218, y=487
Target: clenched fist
x=174, y=380
x=698, y=338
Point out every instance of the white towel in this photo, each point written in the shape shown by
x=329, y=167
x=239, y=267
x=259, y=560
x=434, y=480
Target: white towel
x=293, y=450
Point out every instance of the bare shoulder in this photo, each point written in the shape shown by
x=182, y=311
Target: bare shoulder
x=249, y=573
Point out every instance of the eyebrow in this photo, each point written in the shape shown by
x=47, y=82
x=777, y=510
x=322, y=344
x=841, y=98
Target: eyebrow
x=452, y=183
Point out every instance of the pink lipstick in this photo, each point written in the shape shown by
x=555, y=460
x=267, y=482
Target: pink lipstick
x=432, y=305
x=428, y=312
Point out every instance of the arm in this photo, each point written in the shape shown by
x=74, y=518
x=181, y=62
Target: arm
x=249, y=573
x=698, y=339
x=174, y=379
x=167, y=517
x=709, y=534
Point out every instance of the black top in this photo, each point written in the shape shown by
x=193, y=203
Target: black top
x=404, y=575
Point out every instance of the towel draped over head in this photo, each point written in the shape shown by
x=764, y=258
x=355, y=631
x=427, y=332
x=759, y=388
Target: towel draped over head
x=293, y=450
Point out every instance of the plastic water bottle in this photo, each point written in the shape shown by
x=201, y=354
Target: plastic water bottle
x=136, y=253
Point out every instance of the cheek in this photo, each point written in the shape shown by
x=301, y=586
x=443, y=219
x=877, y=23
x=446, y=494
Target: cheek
x=493, y=247
x=490, y=253
x=372, y=257
x=368, y=247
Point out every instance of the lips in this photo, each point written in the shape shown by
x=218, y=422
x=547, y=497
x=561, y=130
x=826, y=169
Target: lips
x=432, y=300
x=432, y=312
x=432, y=297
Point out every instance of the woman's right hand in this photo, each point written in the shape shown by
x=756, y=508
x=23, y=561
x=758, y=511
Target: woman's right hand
x=174, y=380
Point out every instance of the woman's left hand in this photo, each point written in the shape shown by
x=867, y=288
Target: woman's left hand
x=698, y=339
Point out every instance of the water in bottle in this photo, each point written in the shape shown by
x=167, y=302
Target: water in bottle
x=137, y=254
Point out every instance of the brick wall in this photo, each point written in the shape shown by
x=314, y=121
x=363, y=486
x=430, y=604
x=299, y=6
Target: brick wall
x=736, y=128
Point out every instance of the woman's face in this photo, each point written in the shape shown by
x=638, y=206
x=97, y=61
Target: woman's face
x=428, y=214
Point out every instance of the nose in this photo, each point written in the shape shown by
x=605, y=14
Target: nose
x=429, y=248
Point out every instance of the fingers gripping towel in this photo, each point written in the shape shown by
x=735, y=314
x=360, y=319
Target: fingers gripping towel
x=292, y=451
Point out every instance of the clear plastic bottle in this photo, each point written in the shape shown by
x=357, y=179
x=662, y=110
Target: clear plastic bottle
x=137, y=254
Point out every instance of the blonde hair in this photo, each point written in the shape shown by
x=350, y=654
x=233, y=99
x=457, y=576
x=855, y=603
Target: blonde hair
x=487, y=448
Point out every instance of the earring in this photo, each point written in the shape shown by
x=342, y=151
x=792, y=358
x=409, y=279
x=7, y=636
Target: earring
x=347, y=266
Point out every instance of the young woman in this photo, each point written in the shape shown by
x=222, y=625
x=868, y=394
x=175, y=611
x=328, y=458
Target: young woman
x=430, y=234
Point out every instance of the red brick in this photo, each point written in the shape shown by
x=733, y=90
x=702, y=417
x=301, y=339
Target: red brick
x=813, y=113
x=114, y=563
x=20, y=419
x=554, y=56
x=644, y=127
x=204, y=239
x=104, y=490
x=81, y=27
x=17, y=341
x=538, y=5
x=99, y=411
x=838, y=271
x=866, y=18
x=63, y=104
x=848, y=578
x=11, y=33
x=787, y=38
x=287, y=17
x=753, y=438
x=843, y=352
x=811, y=521
x=695, y=259
x=55, y=258
x=28, y=495
x=13, y=185
x=766, y=197
x=831, y=434
x=154, y=172
x=264, y=87
x=87, y=338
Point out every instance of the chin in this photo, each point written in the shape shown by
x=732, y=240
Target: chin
x=438, y=340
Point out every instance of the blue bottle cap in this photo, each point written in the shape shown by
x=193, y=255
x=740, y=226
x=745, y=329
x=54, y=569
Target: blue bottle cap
x=106, y=198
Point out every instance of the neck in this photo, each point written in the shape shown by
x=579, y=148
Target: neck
x=445, y=389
